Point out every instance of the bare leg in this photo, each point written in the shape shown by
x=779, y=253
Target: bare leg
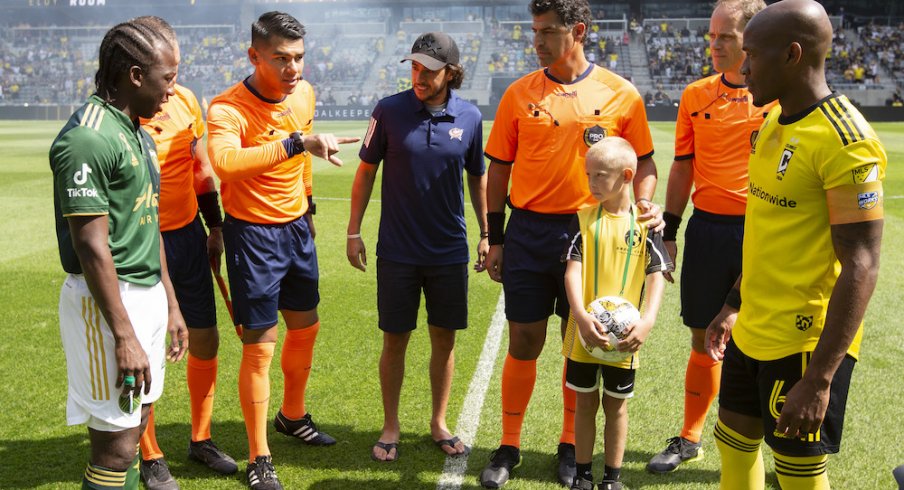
x=392, y=372
x=442, y=367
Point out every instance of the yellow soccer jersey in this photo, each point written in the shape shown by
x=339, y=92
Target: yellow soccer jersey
x=599, y=241
x=809, y=171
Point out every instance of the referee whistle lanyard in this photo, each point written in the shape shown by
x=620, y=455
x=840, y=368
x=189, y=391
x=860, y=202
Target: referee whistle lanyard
x=596, y=250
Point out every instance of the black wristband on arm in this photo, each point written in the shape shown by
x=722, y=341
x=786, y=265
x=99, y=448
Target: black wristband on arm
x=733, y=298
x=210, y=209
x=672, y=222
x=312, y=206
x=496, y=227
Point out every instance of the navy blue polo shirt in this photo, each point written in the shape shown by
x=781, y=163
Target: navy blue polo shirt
x=424, y=158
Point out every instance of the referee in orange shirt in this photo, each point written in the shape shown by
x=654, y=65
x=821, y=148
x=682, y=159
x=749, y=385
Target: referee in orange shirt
x=187, y=186
x=260, y=148
x=544, y=125
x=717, y=123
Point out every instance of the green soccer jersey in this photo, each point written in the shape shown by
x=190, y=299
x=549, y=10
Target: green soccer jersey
x=105, y=164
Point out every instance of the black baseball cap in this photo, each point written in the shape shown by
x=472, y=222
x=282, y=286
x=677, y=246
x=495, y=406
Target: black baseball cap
x=434, y=50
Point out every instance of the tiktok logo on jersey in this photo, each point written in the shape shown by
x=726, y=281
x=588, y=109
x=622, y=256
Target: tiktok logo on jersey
x=81, y=176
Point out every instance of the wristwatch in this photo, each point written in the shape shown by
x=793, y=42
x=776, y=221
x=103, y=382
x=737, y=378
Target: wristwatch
x=297, y=142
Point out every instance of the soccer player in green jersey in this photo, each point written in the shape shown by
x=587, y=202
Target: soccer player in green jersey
x=117, y=303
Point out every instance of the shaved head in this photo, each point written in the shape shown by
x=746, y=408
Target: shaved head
x=804, y=22
x=786, y=45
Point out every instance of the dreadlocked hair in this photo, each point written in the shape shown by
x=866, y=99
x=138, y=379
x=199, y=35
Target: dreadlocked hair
x=135, y=42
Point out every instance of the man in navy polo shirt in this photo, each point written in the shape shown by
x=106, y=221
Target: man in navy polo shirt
x=426, y=137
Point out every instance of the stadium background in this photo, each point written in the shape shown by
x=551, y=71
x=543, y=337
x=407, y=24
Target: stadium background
x=46, y=43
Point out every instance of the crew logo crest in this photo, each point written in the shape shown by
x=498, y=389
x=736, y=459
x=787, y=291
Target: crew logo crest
x=783, y=163
x=803, y=323
x=456, y=134
x=594, y=134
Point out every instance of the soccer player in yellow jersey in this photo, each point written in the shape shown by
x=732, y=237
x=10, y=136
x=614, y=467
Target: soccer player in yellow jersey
x=545, y=122
x=811, y=257
x=716, y=123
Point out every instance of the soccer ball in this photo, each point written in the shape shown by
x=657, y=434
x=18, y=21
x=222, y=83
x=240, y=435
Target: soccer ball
x=616, y=314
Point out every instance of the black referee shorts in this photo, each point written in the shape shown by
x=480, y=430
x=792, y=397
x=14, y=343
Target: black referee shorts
x=189, y=271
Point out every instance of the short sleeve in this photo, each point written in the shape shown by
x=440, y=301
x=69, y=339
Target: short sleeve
x=502, y=145
x=475, y=164
x=575, y=248
x=852, y=178
x=636, y=128
x=684, y=130
x=373, y=149
x=198, y=117
x=82, y=164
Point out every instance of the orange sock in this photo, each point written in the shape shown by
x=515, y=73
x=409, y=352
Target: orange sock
x=254, y=394
x=701, y=385
x=518, y=378
x=569, y=399
x=296, y=358
x=201, y=375
x=148, y=442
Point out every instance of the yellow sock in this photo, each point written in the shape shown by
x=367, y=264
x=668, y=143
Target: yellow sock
x=799, y=473
x=742, y=460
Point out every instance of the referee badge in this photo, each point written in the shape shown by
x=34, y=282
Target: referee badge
x=594, y=134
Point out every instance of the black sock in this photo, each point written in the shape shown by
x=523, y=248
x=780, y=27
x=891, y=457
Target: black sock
x=611, y=474
x=583, y=471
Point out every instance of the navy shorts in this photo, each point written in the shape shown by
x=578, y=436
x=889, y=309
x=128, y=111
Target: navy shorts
x=189, y=271
x=533, y=273
x=711, y=265
x=399, y=289
x=585, y=378
x=271, y=267
x=758, y=388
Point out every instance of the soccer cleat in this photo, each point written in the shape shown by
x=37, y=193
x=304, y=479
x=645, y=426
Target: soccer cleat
x=502, y=462
x=611, y=485
x=679, y=450
x=303, y=428
x=568, y=470
x=262, y=474
x=208, y=453
x=156, y=475
x=581, y=484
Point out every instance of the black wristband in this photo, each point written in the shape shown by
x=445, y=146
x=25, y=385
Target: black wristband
x=312, y=206
x=210, y=209
x=672, y=222
x=733, y=298
x=496, y=227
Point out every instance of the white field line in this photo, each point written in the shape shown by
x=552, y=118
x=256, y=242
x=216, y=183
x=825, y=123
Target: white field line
x=469, y=419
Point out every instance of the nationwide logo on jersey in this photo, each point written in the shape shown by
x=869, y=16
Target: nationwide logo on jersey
x=866, y=173
x=803, y=323
x=456, y=134
x=867, y=200
x=594, y=134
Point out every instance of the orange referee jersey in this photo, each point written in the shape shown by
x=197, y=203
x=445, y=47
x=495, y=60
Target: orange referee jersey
x=544, y=128
x=176, y=130
x=717, y=123
x=245, y=132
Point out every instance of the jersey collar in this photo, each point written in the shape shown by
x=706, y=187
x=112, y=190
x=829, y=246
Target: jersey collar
x=257, y=94
x=453, y=105
x=576, y=80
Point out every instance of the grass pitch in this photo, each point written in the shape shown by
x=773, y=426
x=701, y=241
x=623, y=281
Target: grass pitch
x=38, y=450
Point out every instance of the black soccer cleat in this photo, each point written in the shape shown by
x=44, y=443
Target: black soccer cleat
x=581, y=484
x=156, y=475
x=262, y=474
x=679, y=450
x=502, y=462
x=568, y=469
x=303, y=428
x=208, y=453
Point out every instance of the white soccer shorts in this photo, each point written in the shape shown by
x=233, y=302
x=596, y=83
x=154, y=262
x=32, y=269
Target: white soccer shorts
x=91, y=351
